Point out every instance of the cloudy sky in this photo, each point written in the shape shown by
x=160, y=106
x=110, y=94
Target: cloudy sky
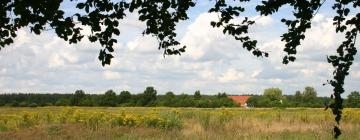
x=213, y=62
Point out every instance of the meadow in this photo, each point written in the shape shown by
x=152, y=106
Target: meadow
x=173, y=123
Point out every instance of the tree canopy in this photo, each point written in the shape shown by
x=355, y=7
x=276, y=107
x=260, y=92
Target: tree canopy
x=161, y=18
x=273, y=97
x=354, y=99
x=274, y=94
x=110, y=98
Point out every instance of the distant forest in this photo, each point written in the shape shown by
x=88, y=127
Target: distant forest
x=272, y=97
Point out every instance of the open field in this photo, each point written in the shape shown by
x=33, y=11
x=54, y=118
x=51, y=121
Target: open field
x=173, y=123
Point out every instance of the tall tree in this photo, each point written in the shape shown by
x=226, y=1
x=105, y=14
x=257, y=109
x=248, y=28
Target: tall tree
x=222, y=95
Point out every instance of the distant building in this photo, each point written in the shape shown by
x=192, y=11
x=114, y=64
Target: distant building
x=241, y=99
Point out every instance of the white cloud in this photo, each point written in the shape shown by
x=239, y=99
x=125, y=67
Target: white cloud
x=144, y=45
x=200, y=36
x=255, y=73
x=356, y=74
x=56, y=61
x=212, y=63
x=3, y=71
x=110, y=75
x=206, y=74
x=231, y=75
x=307, y=72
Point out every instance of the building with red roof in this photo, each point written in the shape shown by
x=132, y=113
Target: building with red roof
x=240, y=99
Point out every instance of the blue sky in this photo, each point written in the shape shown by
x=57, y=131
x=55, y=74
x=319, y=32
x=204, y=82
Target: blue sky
x=212, y=63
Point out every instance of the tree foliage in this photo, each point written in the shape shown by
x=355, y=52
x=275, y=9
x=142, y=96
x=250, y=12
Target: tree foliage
x=274, y=94
x=161, y=17
x=148, y=97
x=272, y=97
x=307, y=98
x=124, y=96
x=110, y=99
x=197, y=95
x=309, y=94
x=169, y=99
x=77, y=98
x=353, y=99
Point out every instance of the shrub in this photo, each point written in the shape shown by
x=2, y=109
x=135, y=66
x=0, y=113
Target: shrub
x=33, y=105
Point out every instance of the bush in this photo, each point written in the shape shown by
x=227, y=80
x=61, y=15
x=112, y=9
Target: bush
x=13, y=104
x=2, y=103
x=62, y=102
x=33, y=105
x=23, y=104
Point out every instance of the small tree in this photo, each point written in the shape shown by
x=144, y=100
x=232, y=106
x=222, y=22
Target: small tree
x=169, y=95
x=2, y=103
x=148, y=97
x=222, y=95
x=77, y=97
x=169, y=99
x=274, y=94
x=63, y=102
x=197, y=95
x=109, y=98
x=353, y=99
x=298, y=96
x=124, y=97
x=87, y=101
x=309, y=94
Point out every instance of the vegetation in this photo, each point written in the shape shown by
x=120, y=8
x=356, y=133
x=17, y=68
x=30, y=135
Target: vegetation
x=353, y=99
x=169, y=123
x=272, y=97
x=161, y=17
x=308, y=98
x=148, y=98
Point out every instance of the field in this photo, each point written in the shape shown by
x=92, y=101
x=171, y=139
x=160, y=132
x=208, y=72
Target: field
x=173, y=123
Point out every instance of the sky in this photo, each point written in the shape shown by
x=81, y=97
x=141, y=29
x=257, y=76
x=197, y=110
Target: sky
x=212, y=63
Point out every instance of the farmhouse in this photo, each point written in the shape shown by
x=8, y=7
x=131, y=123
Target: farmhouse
x=240, y=99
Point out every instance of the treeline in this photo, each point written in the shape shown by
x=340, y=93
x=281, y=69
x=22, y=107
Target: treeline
x=110, y=98
x=273, y=97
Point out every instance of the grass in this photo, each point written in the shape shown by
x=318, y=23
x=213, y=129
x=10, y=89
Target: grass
x=173, y=123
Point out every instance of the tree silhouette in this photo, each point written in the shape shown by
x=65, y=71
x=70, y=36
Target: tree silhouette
x=161, y=17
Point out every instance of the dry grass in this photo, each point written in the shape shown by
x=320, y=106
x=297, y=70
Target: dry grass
x=209, y=124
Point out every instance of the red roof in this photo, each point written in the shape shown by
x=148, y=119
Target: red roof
x=241, y=100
